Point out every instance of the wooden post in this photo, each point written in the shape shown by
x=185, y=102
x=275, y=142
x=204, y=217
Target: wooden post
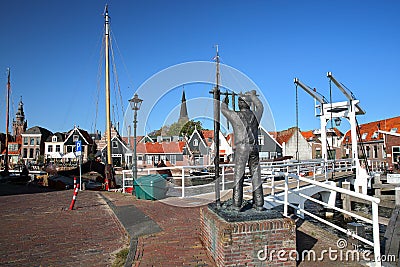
x=377, y=181
x=397, y=196
x=346, y=202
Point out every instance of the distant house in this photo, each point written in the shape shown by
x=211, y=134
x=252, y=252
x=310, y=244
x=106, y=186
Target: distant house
x=199, y=146
x=33, y=141
x=77, y=134
x=269, y=148
x=14, y=151
x=293, y=144
x=54, y=146
x=121, y=152
x=171, y=153
x=380, y=141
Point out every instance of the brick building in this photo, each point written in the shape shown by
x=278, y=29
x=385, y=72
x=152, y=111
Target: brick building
x=380, y=142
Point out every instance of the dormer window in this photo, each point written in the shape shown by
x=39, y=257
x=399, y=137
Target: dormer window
x=195, y=142
x=54, y=139
x=375, y=135
x=364, y=136
x=393, y=130
x=75, y=137
x=115, y=144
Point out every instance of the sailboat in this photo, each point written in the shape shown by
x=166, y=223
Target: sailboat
x=109, y=170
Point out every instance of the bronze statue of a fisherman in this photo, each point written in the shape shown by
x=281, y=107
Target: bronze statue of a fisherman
x=245, y=124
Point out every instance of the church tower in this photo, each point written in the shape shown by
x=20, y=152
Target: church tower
x=20, y=124
x=183, y=115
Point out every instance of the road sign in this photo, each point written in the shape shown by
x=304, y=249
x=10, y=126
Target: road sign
x=78, y=145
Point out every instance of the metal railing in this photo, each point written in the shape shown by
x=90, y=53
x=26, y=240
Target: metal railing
x=127, y=177
x=293, y=172
x=375, y=243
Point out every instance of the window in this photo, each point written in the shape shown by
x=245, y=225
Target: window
x=25, y=155
x=172, y=159
x=25, y=140
x=155, y=159
x=163, y=158
x=273, y=155
x=261, y=140
x=195, y=142
x=50, y=148
x=75, y=137
x=395, y=154
x=375, y=135
x=375, y=152
x=149, y=159
x=115, y=144
x=368, y=149
x=393, y=130
x=38, y=141
x=69, y=149
x=32, y=142
x=30, y=153
x=58, y=149
x=364, y=136
x=54, y=139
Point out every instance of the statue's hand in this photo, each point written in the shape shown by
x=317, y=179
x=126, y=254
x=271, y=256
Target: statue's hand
x=226, y=100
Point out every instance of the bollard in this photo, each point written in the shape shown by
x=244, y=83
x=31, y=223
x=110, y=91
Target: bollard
x=397, y=196
x=74, y=197
x=346, y=202
x=74, y=182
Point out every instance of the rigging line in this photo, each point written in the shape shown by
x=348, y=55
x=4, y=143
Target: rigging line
x=297, y=123
x=240, y=84
x=122, y=60
x=330, y=149
x=116, y=77
x=99, y=75
x=115, y=84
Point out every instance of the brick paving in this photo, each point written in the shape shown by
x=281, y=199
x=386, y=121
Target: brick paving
x=37, y=230
x=178, y=244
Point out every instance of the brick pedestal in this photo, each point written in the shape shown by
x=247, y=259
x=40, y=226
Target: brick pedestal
x=261, y=242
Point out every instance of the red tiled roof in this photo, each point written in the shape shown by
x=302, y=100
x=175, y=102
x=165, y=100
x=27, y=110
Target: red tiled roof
x=160, y=148
x=206, y=135
x=285, y=135
x=371, y=127
x=308, y=135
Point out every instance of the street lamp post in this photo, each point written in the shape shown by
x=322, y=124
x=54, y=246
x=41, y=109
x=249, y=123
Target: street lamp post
x=135, y=103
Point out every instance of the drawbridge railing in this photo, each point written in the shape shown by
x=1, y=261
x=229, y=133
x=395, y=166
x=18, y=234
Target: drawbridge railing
x=375, y=243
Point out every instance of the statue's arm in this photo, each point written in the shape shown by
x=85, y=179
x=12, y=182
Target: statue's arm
x=259, y=107
x=229, y=114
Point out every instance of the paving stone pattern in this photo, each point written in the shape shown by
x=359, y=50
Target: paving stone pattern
x=37, y=230
x=178, y=244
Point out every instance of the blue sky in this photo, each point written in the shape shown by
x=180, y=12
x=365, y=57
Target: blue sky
x=54, y=48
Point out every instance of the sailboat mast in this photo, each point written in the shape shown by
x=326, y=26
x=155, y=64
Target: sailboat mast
x=217, y=116
x=7, y=120
x=107, y=81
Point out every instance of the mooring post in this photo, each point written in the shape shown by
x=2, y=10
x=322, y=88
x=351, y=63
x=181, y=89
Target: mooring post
x=378, y=183
x=346, y=201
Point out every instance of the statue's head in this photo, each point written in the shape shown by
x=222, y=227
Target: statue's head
x=243, y=103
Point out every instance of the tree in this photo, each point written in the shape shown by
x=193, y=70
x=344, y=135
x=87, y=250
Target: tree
x=179, y=128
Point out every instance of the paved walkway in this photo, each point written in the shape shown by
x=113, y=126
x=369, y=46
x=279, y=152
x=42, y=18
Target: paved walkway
x=37, y=230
